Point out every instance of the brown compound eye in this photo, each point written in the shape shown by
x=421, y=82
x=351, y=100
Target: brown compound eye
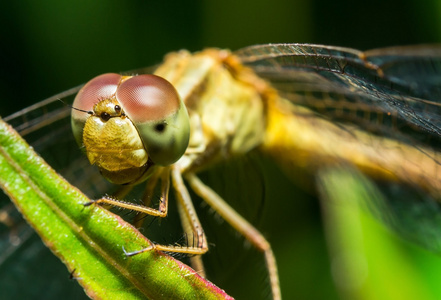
x=97, y=89
x=100, y=87
x=147, y=98
x=154, y=107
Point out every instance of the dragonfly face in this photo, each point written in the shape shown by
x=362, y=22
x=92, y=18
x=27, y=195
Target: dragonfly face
x=134, y=123
x=376, y=111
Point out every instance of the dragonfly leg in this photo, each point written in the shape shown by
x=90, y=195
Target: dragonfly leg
x=149, y=194
x=190, y=223
x=195, y=261
x=189, y=218
x=163, y=204
x=241, y=225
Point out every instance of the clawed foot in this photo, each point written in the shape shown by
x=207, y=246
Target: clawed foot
x=136, y=252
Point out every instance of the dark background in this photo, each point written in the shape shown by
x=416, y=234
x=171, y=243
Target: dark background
x=47, y=47
x=50, y=46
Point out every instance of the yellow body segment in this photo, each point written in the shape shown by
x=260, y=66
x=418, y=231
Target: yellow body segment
x=296, y=137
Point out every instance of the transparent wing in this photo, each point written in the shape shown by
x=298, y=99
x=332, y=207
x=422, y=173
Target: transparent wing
x=378, y=90
x=392, y=92
x=46, y=126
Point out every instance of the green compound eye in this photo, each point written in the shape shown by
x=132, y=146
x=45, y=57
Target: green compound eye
x=159, y=115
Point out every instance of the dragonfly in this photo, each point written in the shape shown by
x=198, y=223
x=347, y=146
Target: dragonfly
x=309, y=107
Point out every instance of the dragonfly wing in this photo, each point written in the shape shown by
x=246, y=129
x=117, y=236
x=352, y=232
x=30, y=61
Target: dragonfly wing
x=375, y=89
x=418, y=68
x=391, y=92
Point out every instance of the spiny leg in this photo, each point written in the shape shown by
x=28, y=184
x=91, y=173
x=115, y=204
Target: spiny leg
x=188, y=212
x=149, y=194
x=241, y=225
x=163, y=205
x=190, y=220
x=196, y=260
x=120, y=193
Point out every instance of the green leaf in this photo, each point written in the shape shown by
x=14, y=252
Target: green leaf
x=369, y=261
x=90, y=240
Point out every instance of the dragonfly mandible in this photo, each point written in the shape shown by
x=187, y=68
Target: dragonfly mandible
x=309, y=107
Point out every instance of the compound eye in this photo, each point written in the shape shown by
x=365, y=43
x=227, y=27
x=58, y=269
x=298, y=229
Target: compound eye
x=148, y=98
x=154, y=106
x=100, y=87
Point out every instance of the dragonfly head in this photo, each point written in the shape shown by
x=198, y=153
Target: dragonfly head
x=133, y=120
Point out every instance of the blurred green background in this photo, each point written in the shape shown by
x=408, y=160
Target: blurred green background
x=50, y=46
